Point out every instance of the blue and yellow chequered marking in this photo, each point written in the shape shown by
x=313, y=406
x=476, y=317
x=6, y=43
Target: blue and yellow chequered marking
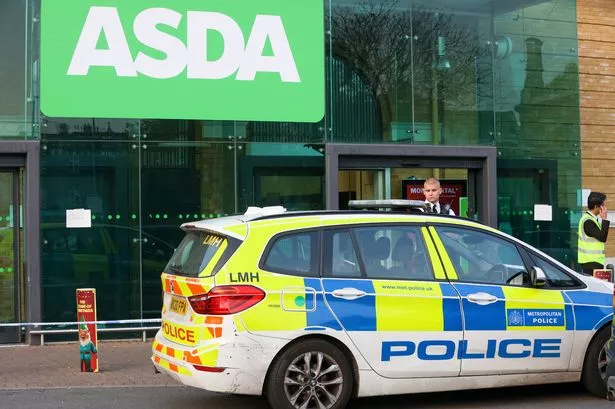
x=269, y=314
x=535, y=309
x=396, y=306
x=592, y=309
x=516, y=308
x=490, y=317
x=291, y=303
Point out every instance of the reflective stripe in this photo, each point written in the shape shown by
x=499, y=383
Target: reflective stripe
x=171, y=366
x=448, y=264
x=590, y=251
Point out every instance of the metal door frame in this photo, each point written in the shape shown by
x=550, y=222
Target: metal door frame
x=480, y=158
x=26, y=155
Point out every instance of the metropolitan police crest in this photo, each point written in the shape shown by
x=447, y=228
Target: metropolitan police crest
x=515, y=318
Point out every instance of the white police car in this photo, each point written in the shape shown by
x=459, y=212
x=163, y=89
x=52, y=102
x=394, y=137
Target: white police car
x=313, y=308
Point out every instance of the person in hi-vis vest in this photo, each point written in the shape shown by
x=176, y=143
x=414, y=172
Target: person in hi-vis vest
x=593, y=232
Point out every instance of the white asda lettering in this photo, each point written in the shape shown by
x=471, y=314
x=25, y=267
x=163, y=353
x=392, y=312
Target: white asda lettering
x=246, y=60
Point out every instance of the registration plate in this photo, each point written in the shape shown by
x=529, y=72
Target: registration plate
x=179, y=305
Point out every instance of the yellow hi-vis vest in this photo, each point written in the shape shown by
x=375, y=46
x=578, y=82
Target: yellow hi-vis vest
x=590, y=249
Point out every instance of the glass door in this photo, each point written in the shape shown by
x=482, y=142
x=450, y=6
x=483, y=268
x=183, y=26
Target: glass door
x=362, y=184
x=9, y=254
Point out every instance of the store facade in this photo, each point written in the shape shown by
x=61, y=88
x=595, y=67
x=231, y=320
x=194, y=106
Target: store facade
x=480, y=93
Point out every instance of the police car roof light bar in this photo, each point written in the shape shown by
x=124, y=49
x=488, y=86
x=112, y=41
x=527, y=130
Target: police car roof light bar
x=393, y=204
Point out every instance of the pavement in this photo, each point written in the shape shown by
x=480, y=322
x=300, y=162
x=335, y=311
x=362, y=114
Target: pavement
x=122, y=363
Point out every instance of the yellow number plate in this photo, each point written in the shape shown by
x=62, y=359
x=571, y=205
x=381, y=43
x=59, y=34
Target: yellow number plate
x=179, y=305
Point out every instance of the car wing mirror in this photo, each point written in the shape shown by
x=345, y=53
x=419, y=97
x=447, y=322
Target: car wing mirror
x=538, y=277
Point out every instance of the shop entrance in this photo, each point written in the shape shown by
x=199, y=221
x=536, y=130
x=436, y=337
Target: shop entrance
x=467, y=175
x=19, y=239
x=11, y=254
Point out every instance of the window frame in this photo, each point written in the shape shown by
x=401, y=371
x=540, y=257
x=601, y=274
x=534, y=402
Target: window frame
x=315, y=256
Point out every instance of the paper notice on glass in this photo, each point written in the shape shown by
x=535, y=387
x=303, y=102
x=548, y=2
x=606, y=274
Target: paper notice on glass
x=543, y=212
x=78, y=218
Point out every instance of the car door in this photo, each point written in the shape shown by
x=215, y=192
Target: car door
x=387, y=287
x=510, y=326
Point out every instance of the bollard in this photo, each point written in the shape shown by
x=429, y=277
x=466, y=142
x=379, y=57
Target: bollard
x=88, y=337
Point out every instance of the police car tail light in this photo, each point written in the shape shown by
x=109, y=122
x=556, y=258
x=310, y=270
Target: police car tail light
x=225, y=300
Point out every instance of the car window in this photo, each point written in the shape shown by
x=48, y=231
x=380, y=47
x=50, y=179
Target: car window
x=393, y=252
x=482, y=257
x=194, y=253
x=555, y=276
x=339, y=254
x=294, y=254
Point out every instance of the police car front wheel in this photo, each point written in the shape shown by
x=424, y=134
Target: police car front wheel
x=313, y=374
x=594, y=368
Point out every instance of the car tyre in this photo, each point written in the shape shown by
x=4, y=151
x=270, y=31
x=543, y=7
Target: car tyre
x=313, y=370
x=594, y=367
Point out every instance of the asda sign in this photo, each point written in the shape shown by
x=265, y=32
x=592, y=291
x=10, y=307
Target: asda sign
x=183, y=59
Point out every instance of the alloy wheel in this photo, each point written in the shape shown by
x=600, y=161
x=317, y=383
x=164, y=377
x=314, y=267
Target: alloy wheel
x=313, y=380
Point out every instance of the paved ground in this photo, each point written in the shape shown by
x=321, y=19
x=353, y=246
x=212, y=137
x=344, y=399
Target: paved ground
x=48, y=376
x=57, y=365
x=547, y=397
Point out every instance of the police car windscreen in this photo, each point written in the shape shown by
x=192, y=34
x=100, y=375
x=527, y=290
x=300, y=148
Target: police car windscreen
x=194, y=254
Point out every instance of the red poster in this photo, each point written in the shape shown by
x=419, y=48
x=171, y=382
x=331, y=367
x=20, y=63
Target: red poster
x=88, y=340
x=452, y=190
x=603, y=274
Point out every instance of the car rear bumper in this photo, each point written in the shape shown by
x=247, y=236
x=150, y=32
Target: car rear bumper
x=238, y=372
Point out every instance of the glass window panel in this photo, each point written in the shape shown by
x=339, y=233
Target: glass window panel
x=294, y=254
x=96, y=129
x=555, y=277
x=102, y=177
x=537, y=133
x=452, y=73
x=14, y=121
x=370, y=73
x=181, y=181
x=339, y=255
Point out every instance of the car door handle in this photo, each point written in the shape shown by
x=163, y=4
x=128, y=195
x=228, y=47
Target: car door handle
x=348, y=293
x=482, y=298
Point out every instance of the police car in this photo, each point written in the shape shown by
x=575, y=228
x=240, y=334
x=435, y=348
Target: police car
x=311, y=309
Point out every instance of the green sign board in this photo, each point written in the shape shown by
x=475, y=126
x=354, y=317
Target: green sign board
x=183, y=59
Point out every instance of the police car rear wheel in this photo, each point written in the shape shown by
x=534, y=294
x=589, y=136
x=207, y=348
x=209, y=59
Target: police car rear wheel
x=594, y=367
x=310, y=375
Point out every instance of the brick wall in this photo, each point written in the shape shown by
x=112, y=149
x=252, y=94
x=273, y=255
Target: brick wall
x=596, y=31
